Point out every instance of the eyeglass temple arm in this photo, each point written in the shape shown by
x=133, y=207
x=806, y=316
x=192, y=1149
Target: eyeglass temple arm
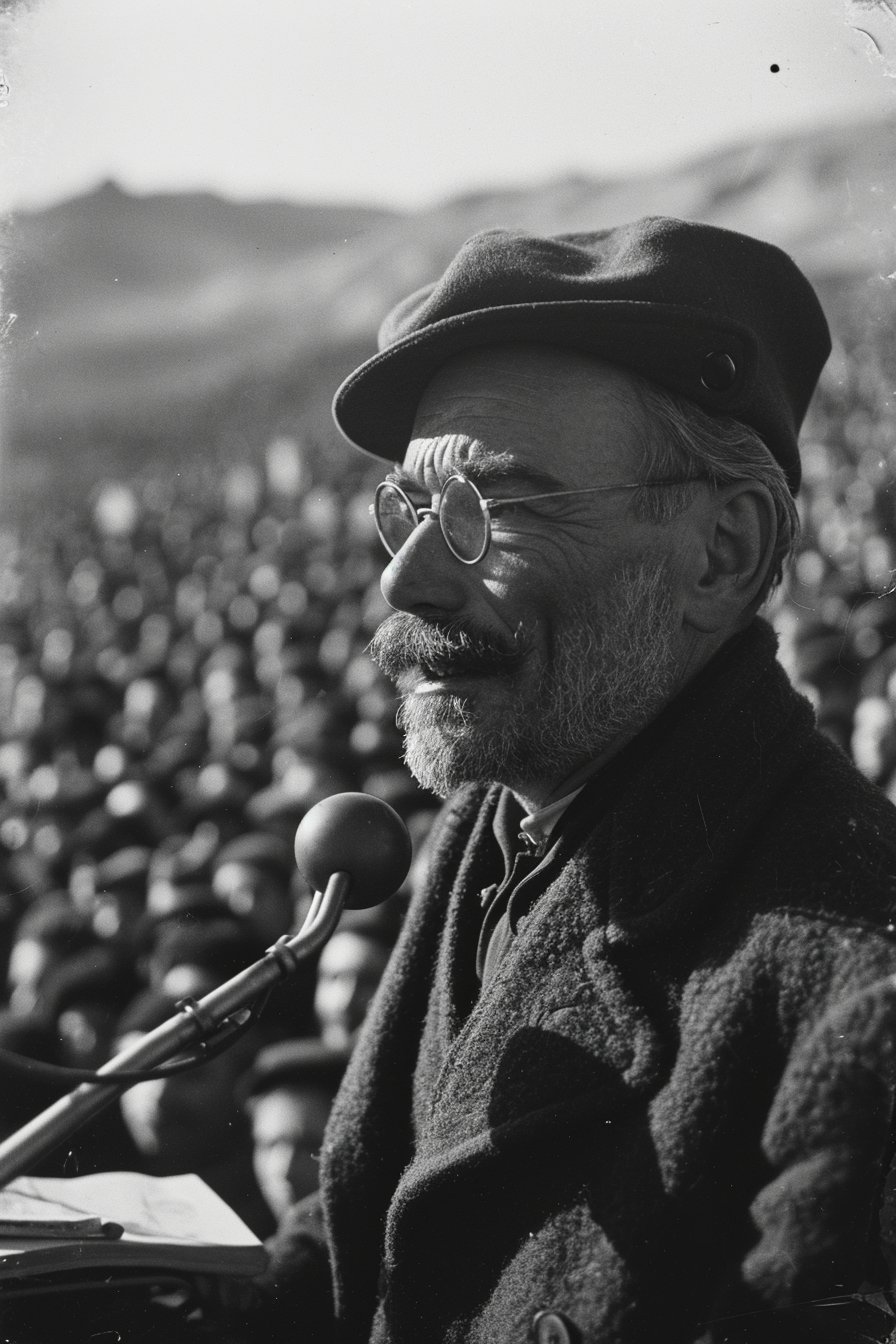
x=587, y=490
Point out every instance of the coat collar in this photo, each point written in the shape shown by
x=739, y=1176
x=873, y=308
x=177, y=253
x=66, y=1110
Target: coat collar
x=684, y=820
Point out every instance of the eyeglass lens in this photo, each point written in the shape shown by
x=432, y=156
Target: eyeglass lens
x=463, y=522
x=395, y=517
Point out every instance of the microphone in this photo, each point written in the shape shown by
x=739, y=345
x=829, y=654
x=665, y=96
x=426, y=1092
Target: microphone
x=354, y=850
x=356, y=834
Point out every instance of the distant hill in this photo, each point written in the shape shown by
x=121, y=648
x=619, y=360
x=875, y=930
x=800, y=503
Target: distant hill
x=125, y=302
x=168, y=322
x=70, y=253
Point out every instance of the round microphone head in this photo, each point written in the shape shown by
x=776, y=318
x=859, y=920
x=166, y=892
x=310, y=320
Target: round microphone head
x=357, y=834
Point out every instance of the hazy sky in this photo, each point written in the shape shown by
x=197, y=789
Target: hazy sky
x=406, y=101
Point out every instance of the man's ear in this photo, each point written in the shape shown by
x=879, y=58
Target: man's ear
x=737, y=528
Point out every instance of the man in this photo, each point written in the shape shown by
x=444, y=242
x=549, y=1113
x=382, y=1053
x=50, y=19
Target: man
x=350, y=969
x=251, y=877
x=629, y=1076
x=288, y=1095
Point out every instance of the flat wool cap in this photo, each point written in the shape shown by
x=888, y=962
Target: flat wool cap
x=725, y=320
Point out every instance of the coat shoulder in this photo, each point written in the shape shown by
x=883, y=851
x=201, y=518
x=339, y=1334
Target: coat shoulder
x=828, y=842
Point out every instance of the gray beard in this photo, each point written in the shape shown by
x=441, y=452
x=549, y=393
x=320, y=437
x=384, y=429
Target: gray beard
x=612, y=670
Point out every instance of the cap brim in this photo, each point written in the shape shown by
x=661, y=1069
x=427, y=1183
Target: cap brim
x=375, y=406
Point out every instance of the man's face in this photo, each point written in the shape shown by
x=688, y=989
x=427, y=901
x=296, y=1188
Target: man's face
x=255, y=896
x=287, y=1132
x=350, y=968
x=567, y=637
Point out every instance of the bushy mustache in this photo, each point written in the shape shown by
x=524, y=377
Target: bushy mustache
x=405, y=643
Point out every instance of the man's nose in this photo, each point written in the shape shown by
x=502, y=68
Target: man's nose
x=424, y=576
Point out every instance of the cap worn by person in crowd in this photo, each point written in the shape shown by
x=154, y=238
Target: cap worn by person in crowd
x=97, y=975
x=305, y=1062
x=221, y=948
x=725, y=320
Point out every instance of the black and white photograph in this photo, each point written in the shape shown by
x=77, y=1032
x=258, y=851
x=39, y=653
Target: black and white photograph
x=447, y=672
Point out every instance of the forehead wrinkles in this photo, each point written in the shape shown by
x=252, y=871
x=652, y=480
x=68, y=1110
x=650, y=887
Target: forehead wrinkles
x=432, y=460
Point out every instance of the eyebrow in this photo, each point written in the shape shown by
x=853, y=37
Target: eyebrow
x=490, y=471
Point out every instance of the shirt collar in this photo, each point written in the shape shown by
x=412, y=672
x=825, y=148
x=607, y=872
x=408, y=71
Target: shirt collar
x=538, y=825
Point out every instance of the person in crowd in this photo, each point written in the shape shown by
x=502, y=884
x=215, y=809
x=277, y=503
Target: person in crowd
x=48, y=935
x=256, y=880
x=189, y=959
x=289, y=1093
x=118, y=898
x=349, y=971
x=84, y=999
x=102, y=1145
x=630, y=1074
x=251, y=878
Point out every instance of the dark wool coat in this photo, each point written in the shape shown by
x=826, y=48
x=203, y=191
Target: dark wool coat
x=669, y=1112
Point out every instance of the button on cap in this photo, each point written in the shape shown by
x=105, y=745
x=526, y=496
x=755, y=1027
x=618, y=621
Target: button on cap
x=551, y=1327
x=718, y=371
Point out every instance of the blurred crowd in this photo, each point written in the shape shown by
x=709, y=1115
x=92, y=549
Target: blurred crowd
x=836, y=613
x=182, y=676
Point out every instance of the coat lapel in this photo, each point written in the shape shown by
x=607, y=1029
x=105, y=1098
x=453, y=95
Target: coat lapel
x=555, y=1029
x=455, y=987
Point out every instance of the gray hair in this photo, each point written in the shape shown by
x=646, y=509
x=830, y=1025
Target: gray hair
x=681, y=439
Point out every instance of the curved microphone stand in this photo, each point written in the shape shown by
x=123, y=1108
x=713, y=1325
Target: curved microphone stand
x=355, y=850
x=195, y=1022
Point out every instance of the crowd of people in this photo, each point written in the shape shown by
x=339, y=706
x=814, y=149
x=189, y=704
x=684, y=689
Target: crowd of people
x=836, y=612
x=182, y=676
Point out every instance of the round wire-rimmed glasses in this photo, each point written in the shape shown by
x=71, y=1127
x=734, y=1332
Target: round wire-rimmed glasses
x=464, y=514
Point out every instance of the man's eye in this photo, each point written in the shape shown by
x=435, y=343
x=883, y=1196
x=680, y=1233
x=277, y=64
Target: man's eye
x=510, y=509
